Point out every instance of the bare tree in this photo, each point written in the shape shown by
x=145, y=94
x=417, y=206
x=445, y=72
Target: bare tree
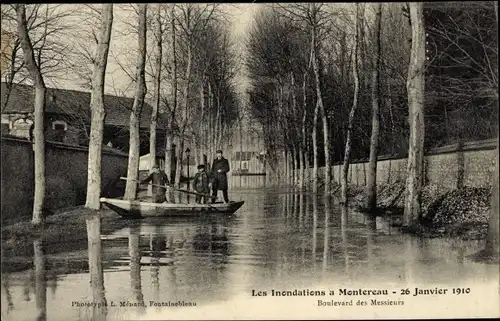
x=38, y=132
x=46, y=24
x=157, y=83
x=169, y=153
x=492, y=247
x=316, y=17
x=372, y=167
x=315, y=25
x=192, y=20
x=415, y=86
x=97, y=108
x=135, y=115
x=347, y=153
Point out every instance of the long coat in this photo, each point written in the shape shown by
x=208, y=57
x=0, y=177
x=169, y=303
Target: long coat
x=159, y=178
x=200, y=183
x=219, y=180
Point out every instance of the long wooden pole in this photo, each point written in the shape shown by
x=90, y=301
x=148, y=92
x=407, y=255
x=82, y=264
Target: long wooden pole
x=175, y=189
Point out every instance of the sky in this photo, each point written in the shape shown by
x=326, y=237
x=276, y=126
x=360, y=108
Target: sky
x=242, y=16
x=119, y=83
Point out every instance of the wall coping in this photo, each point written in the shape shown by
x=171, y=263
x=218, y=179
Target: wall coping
x=63, y=146
x=487, y=144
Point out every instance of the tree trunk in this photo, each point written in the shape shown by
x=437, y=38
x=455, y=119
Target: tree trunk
x=347, y=153
x=371, y=189
x=39, y=112
x=296, y=145
x=156, y=100
x=302, y=149
x=415, y=87
x=211, y=133
x=295, y=163
x=389, y=106
x=286, y=163
x=492, y=247
x=201, y=131
x=178, y=166
x=219, y=122
x=326, y=144
x=315, y=148
x=169, y=152
x=98, y=110
x=185, y=106
x=241, y=145
x=135, y=115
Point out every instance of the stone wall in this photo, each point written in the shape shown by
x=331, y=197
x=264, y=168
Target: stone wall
x=469, y=164
x=66, y=176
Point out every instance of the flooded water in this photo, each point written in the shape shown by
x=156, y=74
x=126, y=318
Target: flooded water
x=279, y=240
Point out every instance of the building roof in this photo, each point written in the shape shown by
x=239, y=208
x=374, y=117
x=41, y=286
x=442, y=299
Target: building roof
x=73, y=103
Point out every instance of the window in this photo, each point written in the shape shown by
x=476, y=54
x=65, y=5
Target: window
x=21, y=127
x=59, y=128
x=5, y=128
x=59, y=125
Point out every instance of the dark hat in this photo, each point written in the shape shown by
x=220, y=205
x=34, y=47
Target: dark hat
x=201, y=166
x=218, y=151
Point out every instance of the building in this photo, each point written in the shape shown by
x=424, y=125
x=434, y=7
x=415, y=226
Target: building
x=6, y=41
x=247, y=150
x=67, y=117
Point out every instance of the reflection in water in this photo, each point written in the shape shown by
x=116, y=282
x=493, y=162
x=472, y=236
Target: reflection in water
x=211, y=260
x=214, y=242
x=301, y=211
x=93, y=223
x=314, y=229
x=8, y=295
x=172, y=270
x=135, y=266
x=296, y=202
x=326, y=234
x=288, y=213
x=40, y=280
x=371, y=224
x=343, y=232
x=246, y=182
x=157, y=245
x=27, y=289
x=409, y=253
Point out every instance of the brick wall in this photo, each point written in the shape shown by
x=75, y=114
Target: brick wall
x=66, y=176
x=470, y=164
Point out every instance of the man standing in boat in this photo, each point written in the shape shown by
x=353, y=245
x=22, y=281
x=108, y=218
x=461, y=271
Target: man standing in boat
x=160, y=183
x=220, y=168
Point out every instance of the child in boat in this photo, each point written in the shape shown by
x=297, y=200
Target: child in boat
x=201, y=184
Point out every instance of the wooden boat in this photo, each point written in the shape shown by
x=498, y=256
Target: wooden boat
x=141, y=209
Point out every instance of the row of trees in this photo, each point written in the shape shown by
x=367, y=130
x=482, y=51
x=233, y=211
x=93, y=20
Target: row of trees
x=329, y=82
x=190, y=63
x=311, y=64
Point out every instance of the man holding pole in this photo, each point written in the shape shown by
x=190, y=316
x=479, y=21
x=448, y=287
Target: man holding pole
x=159, y=181
x=220, y=168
